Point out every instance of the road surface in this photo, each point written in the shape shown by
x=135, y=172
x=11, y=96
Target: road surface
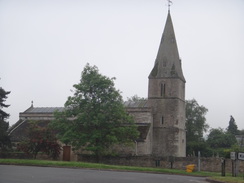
x=32, y=174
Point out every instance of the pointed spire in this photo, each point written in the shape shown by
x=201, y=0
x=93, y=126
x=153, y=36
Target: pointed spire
x=167, y=63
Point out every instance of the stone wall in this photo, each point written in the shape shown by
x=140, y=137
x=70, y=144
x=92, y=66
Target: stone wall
x=207, y=164
x=21, y=155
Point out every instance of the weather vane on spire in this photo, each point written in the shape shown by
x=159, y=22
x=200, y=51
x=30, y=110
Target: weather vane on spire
x=169, y=4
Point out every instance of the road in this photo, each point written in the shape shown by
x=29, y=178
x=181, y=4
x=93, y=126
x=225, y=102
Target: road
x=31, y=174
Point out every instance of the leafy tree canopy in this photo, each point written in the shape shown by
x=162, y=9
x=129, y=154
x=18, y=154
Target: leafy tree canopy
x=218, y=138
x=4, y=125
x=195, y=120
x=95, y=117
x=40, y=139
x=241, y=132
x=195, y=127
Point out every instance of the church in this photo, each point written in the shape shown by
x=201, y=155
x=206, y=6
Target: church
x=160, y=118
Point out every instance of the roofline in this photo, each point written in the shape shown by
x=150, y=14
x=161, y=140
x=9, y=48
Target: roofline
x=12, y=130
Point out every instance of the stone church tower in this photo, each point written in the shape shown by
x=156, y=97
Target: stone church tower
x=166, y=96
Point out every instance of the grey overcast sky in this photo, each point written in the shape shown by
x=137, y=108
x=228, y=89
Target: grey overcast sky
x=44, y=45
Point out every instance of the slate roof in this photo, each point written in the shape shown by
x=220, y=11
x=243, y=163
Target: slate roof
x=135, y=104
x=18, y=131
x=44, y=110
x=51, y=110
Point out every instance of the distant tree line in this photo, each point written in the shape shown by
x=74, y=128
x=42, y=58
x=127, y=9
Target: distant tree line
x=218, y=142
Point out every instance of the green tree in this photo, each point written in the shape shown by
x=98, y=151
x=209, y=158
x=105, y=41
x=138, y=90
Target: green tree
x=40, y=139
x=232, y=128
x=218, y=138
x=241, y=132
x=195, y=125
x=4, y=125
x=95, y=118
x=195, y=120
x=193, y=147
x=221, y=141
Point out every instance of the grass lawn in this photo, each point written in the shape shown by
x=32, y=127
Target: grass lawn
x=73, y=164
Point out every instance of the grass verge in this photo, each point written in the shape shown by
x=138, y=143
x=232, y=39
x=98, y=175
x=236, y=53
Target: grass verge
x=72, y=164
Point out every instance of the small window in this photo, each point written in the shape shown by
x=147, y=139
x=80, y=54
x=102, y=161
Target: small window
x=162, y=120
x=162, y=89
